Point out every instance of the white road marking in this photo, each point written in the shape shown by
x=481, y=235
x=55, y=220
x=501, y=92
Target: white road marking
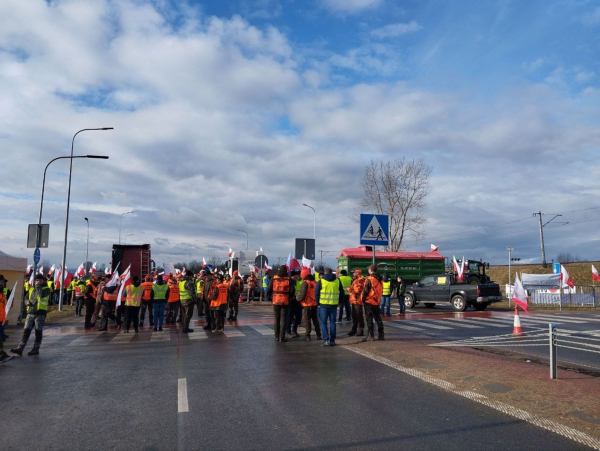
x=197, y=335
x=488, y=323
x=402, y=326
x=165, y=335
x=84, y=340
x=263, y=330
x=557, y=428
x=557, y=319
x=123, y=338
x=182, y=396
x=232, y=332
x=461, y=323
x=422, y=323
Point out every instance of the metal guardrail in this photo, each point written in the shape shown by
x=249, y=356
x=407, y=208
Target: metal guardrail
x=579, y=296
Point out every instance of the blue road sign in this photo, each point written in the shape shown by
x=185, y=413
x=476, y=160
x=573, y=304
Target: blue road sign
x=36, y=255
x=556, y=268
x=374, y=230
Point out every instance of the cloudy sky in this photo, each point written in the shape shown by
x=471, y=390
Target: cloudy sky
x=231, y=114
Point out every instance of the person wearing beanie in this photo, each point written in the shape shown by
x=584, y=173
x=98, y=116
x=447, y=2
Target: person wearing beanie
x=281, y=289
x=371, y=298
x=133, y=300
x=356, y=291
x=346, y=281
x=89, y=299
x=327, y=295
x=294, y=315
x=37, y=308
x=306, y=298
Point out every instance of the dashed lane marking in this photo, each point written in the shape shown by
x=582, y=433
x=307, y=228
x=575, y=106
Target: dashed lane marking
x=182, y=396
x=557, y=428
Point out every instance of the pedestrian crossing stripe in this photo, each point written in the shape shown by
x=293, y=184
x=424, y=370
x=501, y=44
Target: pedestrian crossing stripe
x=160, y=336
x=263, y=330
x=84, y=340
x=232, y=332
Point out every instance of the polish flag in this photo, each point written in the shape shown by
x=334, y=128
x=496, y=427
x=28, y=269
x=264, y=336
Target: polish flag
x=459, y=270
x=292, y=263
x=183, y=272
x=51, y=271
x=32, y=279
x=306, y=262
x=93, y=268
x=68, y=277
x=595, y=275
x=9, y=303
x=230, y=253
x=80, y=271
x=565, y=279
x=114, y=280
x=41, y=270
x=125, y=280
x=434, y=248
x=253, y=269
x=519, y=295
x=203, y=262
x=107, y=271
x=29, y=268
x=267, y=267
x=57, y=275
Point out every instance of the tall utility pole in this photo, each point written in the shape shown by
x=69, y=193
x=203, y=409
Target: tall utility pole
x=509, y=249
x=539, y=213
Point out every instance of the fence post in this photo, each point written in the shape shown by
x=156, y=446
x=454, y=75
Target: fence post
x=552, y=336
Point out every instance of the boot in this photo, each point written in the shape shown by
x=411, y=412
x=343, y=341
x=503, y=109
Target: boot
x=18, y=350
x=381, y=337
x=294, y=334
x=360, y=333
x=34, y=351
x=4, y=357
x=307, y=338
x=352, y=333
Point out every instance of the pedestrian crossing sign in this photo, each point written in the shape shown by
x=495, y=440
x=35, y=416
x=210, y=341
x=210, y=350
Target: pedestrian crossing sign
x=374, y=229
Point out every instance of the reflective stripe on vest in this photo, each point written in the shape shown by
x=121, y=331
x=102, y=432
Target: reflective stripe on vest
x=160, y=291
x=111, y=296
x=42, y=301
x=387, y=288
x=133, y=296
x=281, y=290
x=346, y=282
x=184, y=295
x=330, y=292
x=265, y=282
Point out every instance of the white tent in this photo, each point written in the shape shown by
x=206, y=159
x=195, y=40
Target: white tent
x=13, y=269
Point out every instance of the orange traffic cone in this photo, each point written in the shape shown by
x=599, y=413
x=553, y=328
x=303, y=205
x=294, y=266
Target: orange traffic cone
x=517, y=329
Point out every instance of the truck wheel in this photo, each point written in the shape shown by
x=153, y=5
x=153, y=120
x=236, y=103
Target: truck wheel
x=481, y=307
x=430, y=304
x=409, y=301
x=474, y=280
x=459, y=303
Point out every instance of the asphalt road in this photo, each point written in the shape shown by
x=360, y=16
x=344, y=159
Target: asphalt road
x=242, y=391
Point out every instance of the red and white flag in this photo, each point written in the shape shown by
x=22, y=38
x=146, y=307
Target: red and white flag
x=565, y=279
x=306, y=263
x=41, y=270
x=32, y=279
x=80, y=271
x=519, y=295
x=434, y=248
x=107, y=271
x=51, y=271
x=253, y=269
x=459, y=270
x=29, y=268
x=9, y=303
x=230, y=253
x=125, y=280
x=267, y=267
x=183, y=273
x=93, y=268
x=203, y=262
x=58, y=275
x=595, y=275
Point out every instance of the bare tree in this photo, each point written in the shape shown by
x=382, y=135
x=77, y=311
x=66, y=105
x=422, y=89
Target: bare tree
x=399, y=189
x=567, y=257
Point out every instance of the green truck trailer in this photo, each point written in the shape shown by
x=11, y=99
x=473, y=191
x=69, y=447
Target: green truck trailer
x=411, y=266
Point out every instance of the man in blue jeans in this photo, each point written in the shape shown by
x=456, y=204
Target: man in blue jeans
x=327, y=295
x=386, y=294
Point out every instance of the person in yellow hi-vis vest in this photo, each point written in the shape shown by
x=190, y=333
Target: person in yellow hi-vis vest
x=327, y=295
x=37, y=308
x=133, y=301
x=386, y=294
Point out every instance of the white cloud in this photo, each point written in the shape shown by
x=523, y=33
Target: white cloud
x=585, y=77
x=351, y=6
x=396, y=29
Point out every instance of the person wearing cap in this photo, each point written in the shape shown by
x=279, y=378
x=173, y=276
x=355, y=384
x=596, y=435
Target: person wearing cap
x=236, y=287
x=281, y=289
x=356, y=291
x=133, y=300
x=306, y=297
x=294, y=315
x=37, y=308
x=187, y=297
x=147, y=301
x=371, y=298
x=160, y=294
x=327, y=295
x=346, y=281
x=4, y=293
x=89, y=299
x=4, y=357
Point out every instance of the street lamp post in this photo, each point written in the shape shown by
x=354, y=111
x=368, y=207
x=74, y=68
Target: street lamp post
x=121, y=217
x=64, y=259
x=87, y=246
x=509, y=249
x=240, y=230
x=314, y=222
x=131, y=234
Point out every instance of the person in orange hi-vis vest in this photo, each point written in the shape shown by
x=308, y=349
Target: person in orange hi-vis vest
x=146, y=301
x=172, y=301
x=308, y=303
x=218, y=303
x=356, y=302
x=236, y=287
x=280, y=290
x=372, y=297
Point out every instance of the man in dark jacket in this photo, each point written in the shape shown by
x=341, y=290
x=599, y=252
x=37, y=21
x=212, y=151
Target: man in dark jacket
x=327, y=295
x=236, y=287
x=37, y=308
x=400, y=290
x=372, y=298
